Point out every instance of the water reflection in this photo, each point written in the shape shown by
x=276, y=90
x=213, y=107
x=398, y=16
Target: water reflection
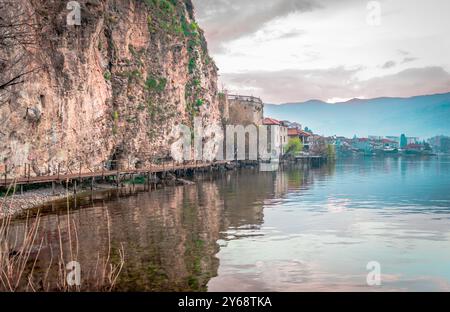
x=297, y=229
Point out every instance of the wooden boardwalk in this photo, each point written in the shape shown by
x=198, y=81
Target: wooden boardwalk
x=165, y=167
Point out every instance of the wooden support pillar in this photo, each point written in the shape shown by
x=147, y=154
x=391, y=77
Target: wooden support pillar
x=53, y=188
x=118, y=175
x=75, y=187
x=92, y=184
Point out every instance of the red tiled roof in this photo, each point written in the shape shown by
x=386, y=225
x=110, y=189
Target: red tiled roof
x=304, y=133
x=271, y=122
x=413, y=146
x=294, y=132
x=298, y=132
x=388, y=141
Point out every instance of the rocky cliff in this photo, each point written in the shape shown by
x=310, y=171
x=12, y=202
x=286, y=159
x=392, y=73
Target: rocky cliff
x=109, y=88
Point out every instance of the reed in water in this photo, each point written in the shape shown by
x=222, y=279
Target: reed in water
x=21, y=256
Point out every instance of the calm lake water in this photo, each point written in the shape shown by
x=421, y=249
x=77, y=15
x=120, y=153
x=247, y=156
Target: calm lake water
x=298, y=229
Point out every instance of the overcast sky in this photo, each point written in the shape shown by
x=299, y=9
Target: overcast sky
x=297, y=50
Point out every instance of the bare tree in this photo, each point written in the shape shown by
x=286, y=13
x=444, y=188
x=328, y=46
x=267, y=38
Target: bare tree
x=17, y=36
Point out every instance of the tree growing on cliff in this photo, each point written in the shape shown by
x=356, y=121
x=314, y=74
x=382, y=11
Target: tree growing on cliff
x=17, y=35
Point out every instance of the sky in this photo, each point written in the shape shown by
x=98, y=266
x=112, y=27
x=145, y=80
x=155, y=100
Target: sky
x=298, y=50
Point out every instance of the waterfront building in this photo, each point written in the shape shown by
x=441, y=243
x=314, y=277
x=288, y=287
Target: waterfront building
x=281, y=134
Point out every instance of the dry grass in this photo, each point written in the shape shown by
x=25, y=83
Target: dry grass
x=20, y=251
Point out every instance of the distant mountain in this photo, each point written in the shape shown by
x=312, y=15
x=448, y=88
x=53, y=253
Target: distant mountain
x=420, y=116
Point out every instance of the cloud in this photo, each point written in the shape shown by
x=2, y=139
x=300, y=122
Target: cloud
x=291, y=85
x=226, y=20
x=403, y=52
x=277, y=34
x=389, y=64
x=291, y=34
x=409, y=82
x=409, y=59
x=323, y=84
x=331, y=39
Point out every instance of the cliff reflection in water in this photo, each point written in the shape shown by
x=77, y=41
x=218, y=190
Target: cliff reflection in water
x=170, y=236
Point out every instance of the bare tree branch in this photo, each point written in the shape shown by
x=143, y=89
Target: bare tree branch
x=17, y=35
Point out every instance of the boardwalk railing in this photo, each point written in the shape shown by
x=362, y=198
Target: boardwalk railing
x=110, y=168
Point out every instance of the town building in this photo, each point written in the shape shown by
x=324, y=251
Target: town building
x=302, y=135
x=243, y=110
x=362, y=144
x=280, y=132
x=440, y=144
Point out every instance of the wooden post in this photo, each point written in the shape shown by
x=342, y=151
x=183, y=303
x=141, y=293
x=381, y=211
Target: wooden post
x=59, y=170
x=92, y=184
x=29, y=170
x=53, y=188
x=75, y=186
x=6, y=173
x=80, y=169
x=118, y=175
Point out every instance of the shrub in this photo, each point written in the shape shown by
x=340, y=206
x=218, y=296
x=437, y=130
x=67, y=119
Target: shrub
x=151, y=83
x=194, y=26
x=192, y=65
x=166, y=6
x=107, y=75
x=294, y=146
x=199, y=102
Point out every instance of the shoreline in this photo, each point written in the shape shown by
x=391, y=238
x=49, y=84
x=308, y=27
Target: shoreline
x=17, y=203
x=14, y=205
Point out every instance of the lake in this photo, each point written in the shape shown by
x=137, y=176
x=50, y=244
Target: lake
x=297, y=229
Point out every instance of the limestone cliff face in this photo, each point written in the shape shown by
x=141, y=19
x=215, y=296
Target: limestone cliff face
x=111, y=88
